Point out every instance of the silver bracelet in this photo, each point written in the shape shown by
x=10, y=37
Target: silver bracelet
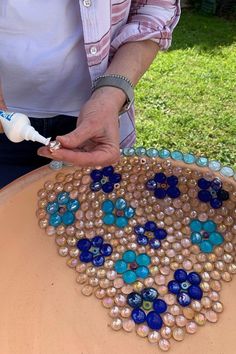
x=118, y=81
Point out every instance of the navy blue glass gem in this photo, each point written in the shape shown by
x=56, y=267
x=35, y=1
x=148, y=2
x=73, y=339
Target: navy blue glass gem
x=154, y=320
x=142, y=240
x=184, y=299
x=96, y=175
x=204, y=196
x=98, y=261
x=195, y=292
x=159, y=306
x=86, y=257
x=174, y=287
x=115, y=178
x=108, y=171
x=139, y=230
x=160, y=177
x=154, y=243
x=216, y=203
x=138, y=315
x=95, y=186
x=151, y=185
x=223, y=195
x=203, y=183
x=172, y=180
x=216, y=184
x=84, y=244
x=134, y=300
x=160, y=193
x=108, y=187
x=180, y=275
x=150, y=226
x=149, y=294
x=97, y=241
x=194, y=278
x=160, y=234
x=173, y=192
x=106, y=250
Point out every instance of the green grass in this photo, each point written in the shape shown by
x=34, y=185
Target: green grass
x=187, y=99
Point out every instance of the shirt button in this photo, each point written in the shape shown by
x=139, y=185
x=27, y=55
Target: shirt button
x=93, y=50
x=87, y=3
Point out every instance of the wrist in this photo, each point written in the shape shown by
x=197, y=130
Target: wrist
x=110, y=96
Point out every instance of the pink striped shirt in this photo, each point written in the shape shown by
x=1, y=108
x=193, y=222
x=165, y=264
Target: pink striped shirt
x=109, y=24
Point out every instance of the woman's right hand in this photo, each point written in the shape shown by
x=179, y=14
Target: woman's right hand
x=3, y=107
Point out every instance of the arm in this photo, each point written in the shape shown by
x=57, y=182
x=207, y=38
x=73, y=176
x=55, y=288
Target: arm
x=136, y=44
x=2, y=106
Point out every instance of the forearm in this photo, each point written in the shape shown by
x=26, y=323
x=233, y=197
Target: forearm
x=131, y=60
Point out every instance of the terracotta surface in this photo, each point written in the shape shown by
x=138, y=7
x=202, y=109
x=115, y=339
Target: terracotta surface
x=42, y=310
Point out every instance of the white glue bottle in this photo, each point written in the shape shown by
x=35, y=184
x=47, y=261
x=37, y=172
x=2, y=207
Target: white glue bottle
x=17, y=128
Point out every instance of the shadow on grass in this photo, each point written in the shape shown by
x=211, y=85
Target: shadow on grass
x=203, y=32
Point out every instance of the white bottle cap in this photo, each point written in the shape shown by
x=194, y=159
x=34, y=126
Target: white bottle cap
x=29, y=133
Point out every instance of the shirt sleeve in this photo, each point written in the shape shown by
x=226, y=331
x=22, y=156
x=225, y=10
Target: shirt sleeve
x=149, y=19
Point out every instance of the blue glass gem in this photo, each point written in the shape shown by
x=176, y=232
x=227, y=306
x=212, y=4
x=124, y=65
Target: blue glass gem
x=134, y=300
x=206, y=246
x=203, y=183
x=151, y=184
x=107, y=206
x=151, y=152
x=142, y=272
x=129, y=256
x=128, y=151
x=63, y=198
x=216, y=184
x=216, y=238
x=108, y=171
x=138, y=315
x=154, y=243
x=149, y=294
x=121, y=222
x=97, y=241
x=115, y=178
x=96, y=175
x=86, y=257
x=106, y=249
x=214, y=165
x=222, y=195
x=204, y=196
x=216, y=203
x=120, y=204
x=52, y=208
x=160, y=177
x=174, y=287
x=150, y=226
x=164, y=153
x=108, y=219
x=159, y=306
x=120, y=266
x=160, y=234
x=177, y=155
x=108, y=187
x=196, y=225
x=142, y=240
x=189, y=158
x=98, y=261
x=139, y=230
x=173, y=192
x=196, y=237
x=154, y=320
x=129, y=212
x=84, y=244
x=143, y=259
x=194, y=278
x=209, y=226
x=227, y=171
x=73, y=205
x=195, y=292
x=184, y=299
x=140, y=151
x=95, y=186
x=172, y=180
x=129, y=277
x=202, y=161
x=180, y=275
x=160, y=193
x=55, y=220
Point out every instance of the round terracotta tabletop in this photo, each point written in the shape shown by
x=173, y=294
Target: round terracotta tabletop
x=42, y=310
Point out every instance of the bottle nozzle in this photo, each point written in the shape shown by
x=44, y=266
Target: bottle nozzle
x=29, y=133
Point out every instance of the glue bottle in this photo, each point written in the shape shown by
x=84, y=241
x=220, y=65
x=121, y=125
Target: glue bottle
x=17, y=128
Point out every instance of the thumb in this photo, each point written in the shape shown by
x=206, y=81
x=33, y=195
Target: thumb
x=75, y=138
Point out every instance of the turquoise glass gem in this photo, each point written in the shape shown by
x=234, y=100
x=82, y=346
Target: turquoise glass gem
x=152, y=152
x=73, y=205
x=120, y=266
x=52, y=208
x=129, y=256
x=177, y=155
x=129, y=277
x=56, y=165
x=121, y=221
x=227, y=171
x=214, y=165
x=189, y=158
x=216, y=238
x=206, y=246
x=143, y=259
x=120, y=204
x=129, y=212
x=164, y=153
x=140, y=151
x=68, y=218
x=209, y=226
x=108, y=219
x=196, y=237
x=142, y=272
x=55, y=220
x=195, y=225
x=202, y=161
x=128, y=151
x=107, y=206
x=63, y=198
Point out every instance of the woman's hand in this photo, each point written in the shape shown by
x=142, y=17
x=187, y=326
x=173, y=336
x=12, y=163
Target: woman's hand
x=95, y=141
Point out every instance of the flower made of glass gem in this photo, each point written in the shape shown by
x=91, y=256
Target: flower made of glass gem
x=147, y=308
x=150, y=234
x=133, y=266
x=117, y=213
x=205, y=235
x=94, y=250
x=163, y=186
x=212, y=192
x=62, y=210
x=104, y=179
x=185, y=287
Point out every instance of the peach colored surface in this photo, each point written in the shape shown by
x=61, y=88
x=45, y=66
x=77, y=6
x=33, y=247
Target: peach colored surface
x=42, y=310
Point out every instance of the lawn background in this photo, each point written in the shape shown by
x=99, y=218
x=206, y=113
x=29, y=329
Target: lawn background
x=187, y=99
